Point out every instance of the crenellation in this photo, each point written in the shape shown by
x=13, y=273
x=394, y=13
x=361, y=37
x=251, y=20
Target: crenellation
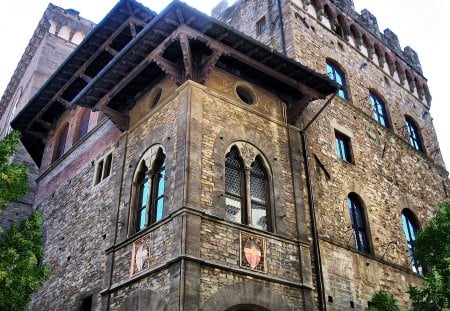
x=171, y=184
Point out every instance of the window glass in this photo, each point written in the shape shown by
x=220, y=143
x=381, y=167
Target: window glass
x=258, y=195
x=410, y=229
x=343, y=147
x=358, y=224
x=233, y=181
x=337, y=75
x=413, y=134
x=61, y=145
x=379, y=110
x=84, y=123
x=150, y=193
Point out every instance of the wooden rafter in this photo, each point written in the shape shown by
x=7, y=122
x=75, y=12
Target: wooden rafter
x=119, y=119
x=208, y=65
x=47, y=125
x=187, y=57
x=136, y=71
x=35, y=134
x=81, y=70
x=297, y=107
x=252, y=62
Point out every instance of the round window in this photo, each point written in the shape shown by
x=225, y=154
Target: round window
x=245, y=94
x=155, y=96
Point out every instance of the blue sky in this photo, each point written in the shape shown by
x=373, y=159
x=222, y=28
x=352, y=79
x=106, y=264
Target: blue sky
x=419, y=24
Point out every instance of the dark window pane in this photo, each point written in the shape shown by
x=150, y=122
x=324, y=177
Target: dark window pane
x=413, y=133
x=358, y=223
x=338, y=76
x=84, y=123
x=343, y=147
x=258, y=191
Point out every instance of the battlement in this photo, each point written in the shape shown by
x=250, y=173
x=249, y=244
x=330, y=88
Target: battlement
x=365, y=33
x=66, y=24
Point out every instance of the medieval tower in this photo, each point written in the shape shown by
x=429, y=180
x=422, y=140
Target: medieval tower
x=278, y=155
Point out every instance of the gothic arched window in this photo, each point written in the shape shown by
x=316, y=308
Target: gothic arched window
x=247, y=191
x=410, y=229
x=379, y=110
x=61, y=142
x=413, y=134
x=234, y=177
x=83, y=124
x=149, y=188
x=337, y=75
x=258, y=191
x=358, y=223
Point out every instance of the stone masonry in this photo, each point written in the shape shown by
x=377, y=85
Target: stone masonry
x=195, y=97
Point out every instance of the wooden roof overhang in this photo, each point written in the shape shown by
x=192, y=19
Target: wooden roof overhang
x=184, y=44
x=105, y=41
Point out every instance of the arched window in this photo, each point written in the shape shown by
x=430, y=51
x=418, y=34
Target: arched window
x=258, y=191
x=379, y=110
x=83, y=125
x=358, y=222
x=148, y=191
x=234, y=177
x=410, y=229
x=413, y=134
x=61, y=142
x=335, y=74
x=247, y=191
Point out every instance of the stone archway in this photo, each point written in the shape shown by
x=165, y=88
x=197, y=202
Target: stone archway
x=144, y=300
x=245, y=296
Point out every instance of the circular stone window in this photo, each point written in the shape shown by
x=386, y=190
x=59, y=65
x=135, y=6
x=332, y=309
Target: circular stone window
x=155, y=96
x=245, y=94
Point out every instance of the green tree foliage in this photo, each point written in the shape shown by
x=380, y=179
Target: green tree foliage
x=21, y=250
x=433, y=251
x=13, y=177
x=21, y=269
x=383, y=301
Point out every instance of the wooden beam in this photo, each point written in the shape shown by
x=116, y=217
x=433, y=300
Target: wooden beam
x=223, y=36
x=111, y=51
x=179, y=16
x=119, y=119
x=187, y=57
x=47, y=125
x=306, y=90
x=85, y=77
x=169, y=68
x=208, y=65
x=133, y=30
x=61, y=100
x=295, y=108
x=38, y=135
x=81, y=70
x=136, y=71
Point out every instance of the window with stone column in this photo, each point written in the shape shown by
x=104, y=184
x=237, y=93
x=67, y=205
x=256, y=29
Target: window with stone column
x=247, y=187
x=148, y=191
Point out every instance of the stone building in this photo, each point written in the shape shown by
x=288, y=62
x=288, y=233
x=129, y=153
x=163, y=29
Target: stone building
x=59, y=31
x=279, y=155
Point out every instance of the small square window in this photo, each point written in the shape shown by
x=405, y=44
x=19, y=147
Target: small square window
x=103, y=168
x=261, y=25
x=343, y=147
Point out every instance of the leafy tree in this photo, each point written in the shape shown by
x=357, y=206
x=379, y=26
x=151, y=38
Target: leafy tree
x=433, y=251
x=383, y=301
x=13, y=177
x=21, y=250
x=21, y=269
